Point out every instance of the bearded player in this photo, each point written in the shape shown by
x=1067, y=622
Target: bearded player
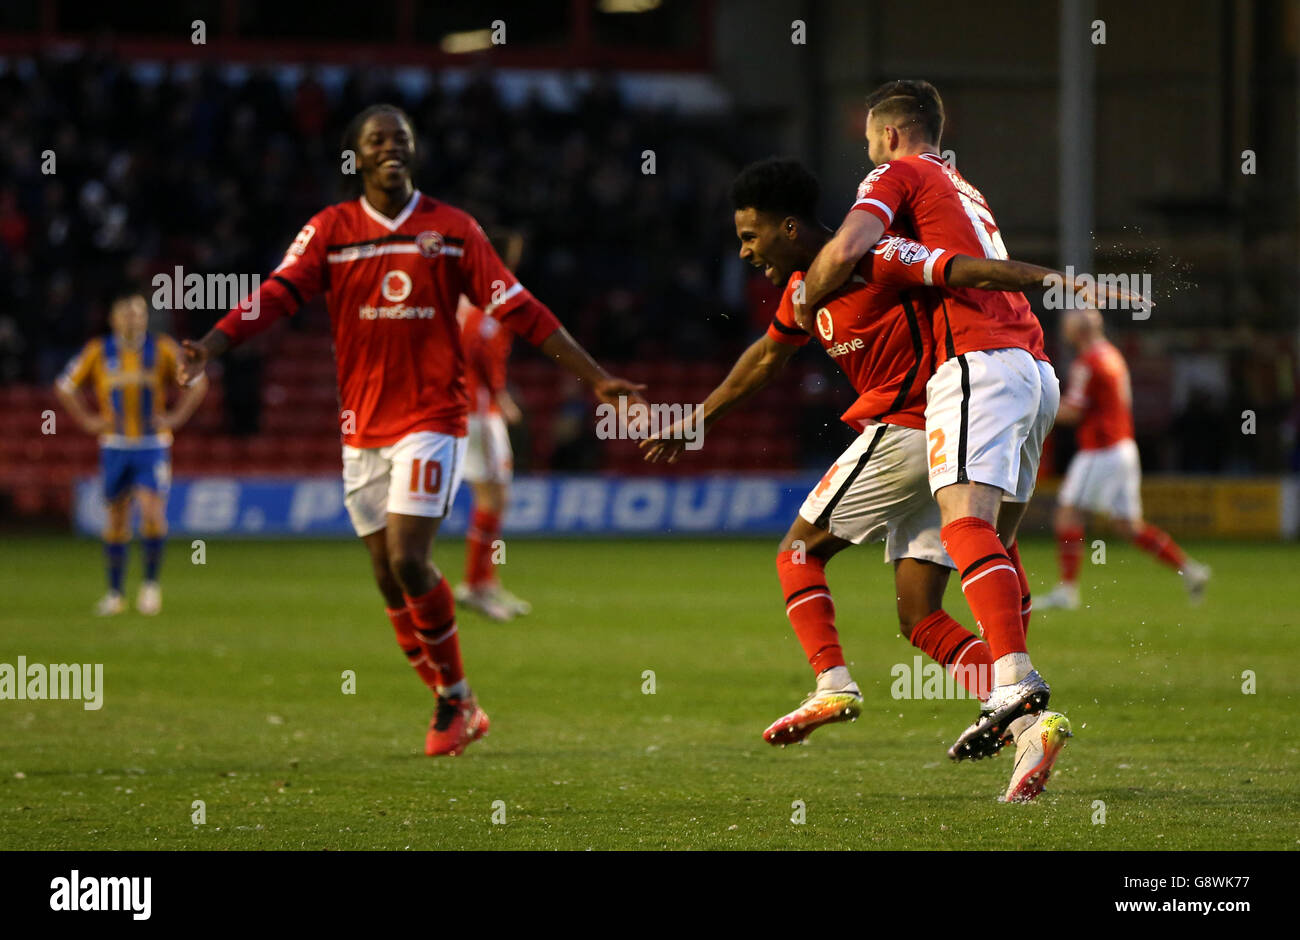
x=877, y=329
x=394, y=263
x=989, y=406
x=1105, y=476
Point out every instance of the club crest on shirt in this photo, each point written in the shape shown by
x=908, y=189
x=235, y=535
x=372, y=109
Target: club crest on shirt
x=825, y=325
x=429, y=243
x=396, y=286
x=908, y=251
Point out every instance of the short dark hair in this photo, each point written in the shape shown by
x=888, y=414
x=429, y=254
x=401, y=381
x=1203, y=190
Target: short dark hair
x=124, y=290
x=910, y=100
x=777, y=186
x=352, y=137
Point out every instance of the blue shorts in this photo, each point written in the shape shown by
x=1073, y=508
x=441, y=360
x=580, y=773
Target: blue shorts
x=125, y=468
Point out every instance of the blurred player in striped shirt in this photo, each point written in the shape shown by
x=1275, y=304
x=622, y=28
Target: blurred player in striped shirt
x=1105, y=476
x=489, y=461
x=130, y=371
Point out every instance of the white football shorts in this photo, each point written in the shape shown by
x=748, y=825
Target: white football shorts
x=877, y=490
x=987, y=415
x=1107, y=480
x=417, y=476
x=488, y=457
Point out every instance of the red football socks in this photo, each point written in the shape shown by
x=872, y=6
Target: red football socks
x=1158, y=543
x=410, y=644
x=989, y=581
x=1069, y=551
x=964, y=654
x=484, y=530
x=434, y=617
x=1026, y=598
x=811, y=611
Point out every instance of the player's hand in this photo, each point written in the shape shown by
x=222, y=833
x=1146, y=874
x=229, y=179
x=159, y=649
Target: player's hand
x=668, y=444
x=165, y=422
x=194, y=357
x=1109, y=296
x=95, y=424
x=659, y=447
x=611, y=389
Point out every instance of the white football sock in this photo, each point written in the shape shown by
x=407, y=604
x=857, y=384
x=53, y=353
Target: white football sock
x=1011, y=668
x=836, y=679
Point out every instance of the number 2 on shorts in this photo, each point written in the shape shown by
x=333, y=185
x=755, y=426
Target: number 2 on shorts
x=936, y=447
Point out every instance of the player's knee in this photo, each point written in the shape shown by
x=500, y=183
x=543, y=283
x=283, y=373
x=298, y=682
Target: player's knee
x=409, y=569
x=910, y=613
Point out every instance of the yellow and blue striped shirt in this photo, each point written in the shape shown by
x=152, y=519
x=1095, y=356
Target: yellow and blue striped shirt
x=130, y=384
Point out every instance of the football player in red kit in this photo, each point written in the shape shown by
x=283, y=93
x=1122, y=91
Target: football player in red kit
x=393, y=264
x=489, y=460
x=1105, y=476
x=989, y=405
x=877, y=329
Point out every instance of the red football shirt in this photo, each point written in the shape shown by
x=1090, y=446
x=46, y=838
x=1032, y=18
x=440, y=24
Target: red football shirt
x=877, y=330
x=392, y=287
x=923, y=198
x=1099, y=386
x=487, y=348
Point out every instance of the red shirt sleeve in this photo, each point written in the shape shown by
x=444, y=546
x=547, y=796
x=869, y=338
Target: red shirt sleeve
x=490, y=285
x=886, y=188
x=298, y=279
x=783, y=328
x=901, y=263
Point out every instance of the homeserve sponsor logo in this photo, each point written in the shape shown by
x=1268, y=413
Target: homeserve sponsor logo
x=396, y=287
x=843, y=349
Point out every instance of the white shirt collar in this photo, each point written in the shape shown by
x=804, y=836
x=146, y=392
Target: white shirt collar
x=391, y=224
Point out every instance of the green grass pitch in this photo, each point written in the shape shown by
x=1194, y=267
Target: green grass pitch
x=233, y=696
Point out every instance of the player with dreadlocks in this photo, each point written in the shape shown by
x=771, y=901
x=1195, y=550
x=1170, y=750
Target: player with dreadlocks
x=394, y=263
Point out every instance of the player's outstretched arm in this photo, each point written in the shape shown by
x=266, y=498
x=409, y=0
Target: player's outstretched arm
x=994, y=274
x=299, y=277
x=564, y=351
x=756, y=367
x=836, y=261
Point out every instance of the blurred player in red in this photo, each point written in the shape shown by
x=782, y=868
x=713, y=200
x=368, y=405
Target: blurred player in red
x=877, y=329
x=131, y=370
x=989, y=405
x=393, y=264
x=489, y=461
x=1105, y=475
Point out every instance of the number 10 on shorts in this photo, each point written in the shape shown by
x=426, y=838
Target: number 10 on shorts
x=426, y=476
